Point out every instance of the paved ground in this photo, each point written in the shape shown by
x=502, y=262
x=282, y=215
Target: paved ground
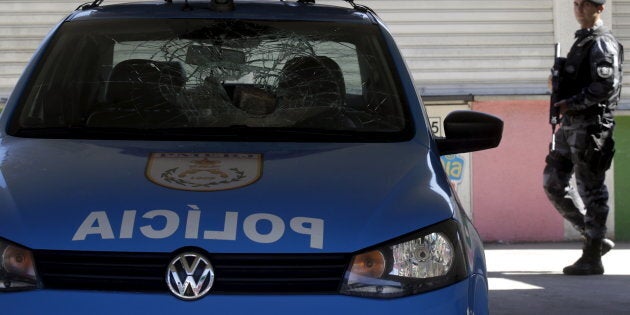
x=528, y=279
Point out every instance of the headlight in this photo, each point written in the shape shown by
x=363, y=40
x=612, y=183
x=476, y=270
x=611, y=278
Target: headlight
x=17, y=268
x=423, y=261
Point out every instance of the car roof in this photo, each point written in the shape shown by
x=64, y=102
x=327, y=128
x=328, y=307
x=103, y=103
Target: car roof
x=275, y=10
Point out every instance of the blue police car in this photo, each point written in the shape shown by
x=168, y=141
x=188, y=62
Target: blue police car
x=231, y=157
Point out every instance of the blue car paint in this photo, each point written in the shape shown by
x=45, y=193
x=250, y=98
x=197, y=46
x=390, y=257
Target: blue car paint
x=397, y=187
x=307, y=180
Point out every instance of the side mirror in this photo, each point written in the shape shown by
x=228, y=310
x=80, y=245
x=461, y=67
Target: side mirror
x=468, y=131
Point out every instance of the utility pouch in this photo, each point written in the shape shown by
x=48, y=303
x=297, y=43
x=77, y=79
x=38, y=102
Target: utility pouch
x=600, y=151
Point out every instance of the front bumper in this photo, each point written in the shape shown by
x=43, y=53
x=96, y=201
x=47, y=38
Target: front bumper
x=465, y=297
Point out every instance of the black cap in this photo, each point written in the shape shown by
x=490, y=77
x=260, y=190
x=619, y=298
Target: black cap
x=598, y=2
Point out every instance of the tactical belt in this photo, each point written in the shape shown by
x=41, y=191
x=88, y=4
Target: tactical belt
x=592, y=111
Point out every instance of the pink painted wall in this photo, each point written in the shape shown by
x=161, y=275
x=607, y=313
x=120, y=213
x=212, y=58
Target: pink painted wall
x=508, y=201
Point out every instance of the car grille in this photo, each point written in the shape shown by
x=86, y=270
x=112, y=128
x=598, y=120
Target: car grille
x=234, y=273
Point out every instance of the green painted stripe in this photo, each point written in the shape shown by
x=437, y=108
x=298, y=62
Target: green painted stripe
x=622, y=178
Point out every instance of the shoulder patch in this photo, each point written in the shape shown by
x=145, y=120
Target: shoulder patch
x=605, y=72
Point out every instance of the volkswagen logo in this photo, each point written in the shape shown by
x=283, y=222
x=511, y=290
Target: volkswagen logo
x=190, y=276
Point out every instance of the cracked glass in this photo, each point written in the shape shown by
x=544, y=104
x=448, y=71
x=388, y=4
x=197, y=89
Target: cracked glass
x=198, y=78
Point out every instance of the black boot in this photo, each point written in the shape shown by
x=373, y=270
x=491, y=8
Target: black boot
x=607, y=245
x=591, y=261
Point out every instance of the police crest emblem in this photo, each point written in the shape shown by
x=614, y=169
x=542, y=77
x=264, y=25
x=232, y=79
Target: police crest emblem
x=604, y=72
x=204, y=171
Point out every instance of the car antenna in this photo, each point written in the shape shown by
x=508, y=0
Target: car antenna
x=360, y=7
x=306, y=1
x=87, y=5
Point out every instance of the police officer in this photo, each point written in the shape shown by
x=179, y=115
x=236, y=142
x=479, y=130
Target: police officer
x=589, y=89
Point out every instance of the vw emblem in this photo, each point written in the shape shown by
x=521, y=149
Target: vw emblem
x=190, y=276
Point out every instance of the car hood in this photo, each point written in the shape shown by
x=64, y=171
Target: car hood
x=222, y=197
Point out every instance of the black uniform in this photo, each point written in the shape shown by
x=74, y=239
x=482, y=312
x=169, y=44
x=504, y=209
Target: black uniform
x=591, y=84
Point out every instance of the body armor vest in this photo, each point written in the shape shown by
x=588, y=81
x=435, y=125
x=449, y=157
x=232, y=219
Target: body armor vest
x=577, y=73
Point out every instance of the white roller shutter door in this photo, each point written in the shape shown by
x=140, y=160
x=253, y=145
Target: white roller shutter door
x=23, y=25
x=482, y=47
x=452, y=47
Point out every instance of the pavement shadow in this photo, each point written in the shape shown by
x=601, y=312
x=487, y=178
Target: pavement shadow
x=528, y=279
x=559, y=294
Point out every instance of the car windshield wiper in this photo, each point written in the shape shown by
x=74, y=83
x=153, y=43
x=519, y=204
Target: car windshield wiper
x=261, y=133
x=78, y=132
x=231, y=133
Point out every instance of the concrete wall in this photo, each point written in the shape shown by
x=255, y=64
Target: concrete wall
x=509, y=203
x=622, y=178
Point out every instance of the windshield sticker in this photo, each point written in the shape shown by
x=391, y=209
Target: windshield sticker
x=264, y=228
x=204, y=171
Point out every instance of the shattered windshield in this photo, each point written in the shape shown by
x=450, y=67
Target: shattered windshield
x=208, y=78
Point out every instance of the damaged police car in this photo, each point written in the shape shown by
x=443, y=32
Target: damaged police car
x=264, y=157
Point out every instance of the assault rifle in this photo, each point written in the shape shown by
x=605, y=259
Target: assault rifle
x=554, y=112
